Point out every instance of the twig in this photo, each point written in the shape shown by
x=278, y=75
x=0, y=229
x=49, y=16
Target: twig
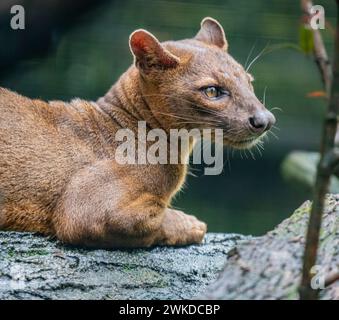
x=331, y=278
x=319, y=50
x=328, y=158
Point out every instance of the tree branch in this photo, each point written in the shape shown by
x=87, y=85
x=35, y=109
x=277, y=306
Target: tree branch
x=331, y=160
x=319, y=50
x=331, y=278
x=327, y=159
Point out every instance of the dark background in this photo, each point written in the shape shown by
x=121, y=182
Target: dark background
x=79, y=48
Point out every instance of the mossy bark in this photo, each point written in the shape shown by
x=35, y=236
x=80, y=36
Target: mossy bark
x=32, y=267
x=269, y=267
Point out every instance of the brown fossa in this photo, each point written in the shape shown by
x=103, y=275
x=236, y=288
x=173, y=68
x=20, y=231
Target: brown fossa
x=58, y=174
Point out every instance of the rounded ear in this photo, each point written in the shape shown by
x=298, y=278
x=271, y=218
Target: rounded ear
x=212, y=32
x=149, y=53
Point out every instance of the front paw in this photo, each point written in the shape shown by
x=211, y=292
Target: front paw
x=179, y=229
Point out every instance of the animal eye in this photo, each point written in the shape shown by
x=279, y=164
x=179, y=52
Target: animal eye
x=213, y=92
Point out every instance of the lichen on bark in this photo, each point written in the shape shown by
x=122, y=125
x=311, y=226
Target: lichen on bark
x=269, y=267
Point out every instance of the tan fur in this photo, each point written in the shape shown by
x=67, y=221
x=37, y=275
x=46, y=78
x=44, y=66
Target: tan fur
x=58, y=175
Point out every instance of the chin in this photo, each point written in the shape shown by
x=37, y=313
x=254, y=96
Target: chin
x=242, y=144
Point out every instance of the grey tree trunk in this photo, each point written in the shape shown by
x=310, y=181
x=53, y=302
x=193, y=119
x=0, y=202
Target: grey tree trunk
x=32, y=267
x=269, y=267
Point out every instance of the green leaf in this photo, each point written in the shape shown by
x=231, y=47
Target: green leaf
x=306, y=39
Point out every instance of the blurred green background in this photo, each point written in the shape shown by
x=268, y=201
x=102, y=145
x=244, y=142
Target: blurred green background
x=80, y=49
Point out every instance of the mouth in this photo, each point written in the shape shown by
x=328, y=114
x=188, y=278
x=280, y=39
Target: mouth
x=242, y=144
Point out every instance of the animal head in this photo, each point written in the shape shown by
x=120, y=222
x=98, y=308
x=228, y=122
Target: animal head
x=195, y=83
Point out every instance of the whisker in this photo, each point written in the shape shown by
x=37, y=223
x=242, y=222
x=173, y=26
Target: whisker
x=264, y=96
x=212, y=112
x=250, y=54
x=191, y=120
x=257, y=57
x=228, y=160
x=273, y=134
x=245, y=153
x=192, y=174
x=252, y=155
x=195, y=122
x=225, y=124
x=258, y=149
x=276, y=108
x=172, y=115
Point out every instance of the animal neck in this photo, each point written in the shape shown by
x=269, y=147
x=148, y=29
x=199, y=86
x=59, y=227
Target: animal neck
x=126, y=104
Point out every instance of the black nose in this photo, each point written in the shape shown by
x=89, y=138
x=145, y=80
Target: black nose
x=262, y=121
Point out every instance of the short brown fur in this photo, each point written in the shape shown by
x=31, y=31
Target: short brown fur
x=58, y=175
